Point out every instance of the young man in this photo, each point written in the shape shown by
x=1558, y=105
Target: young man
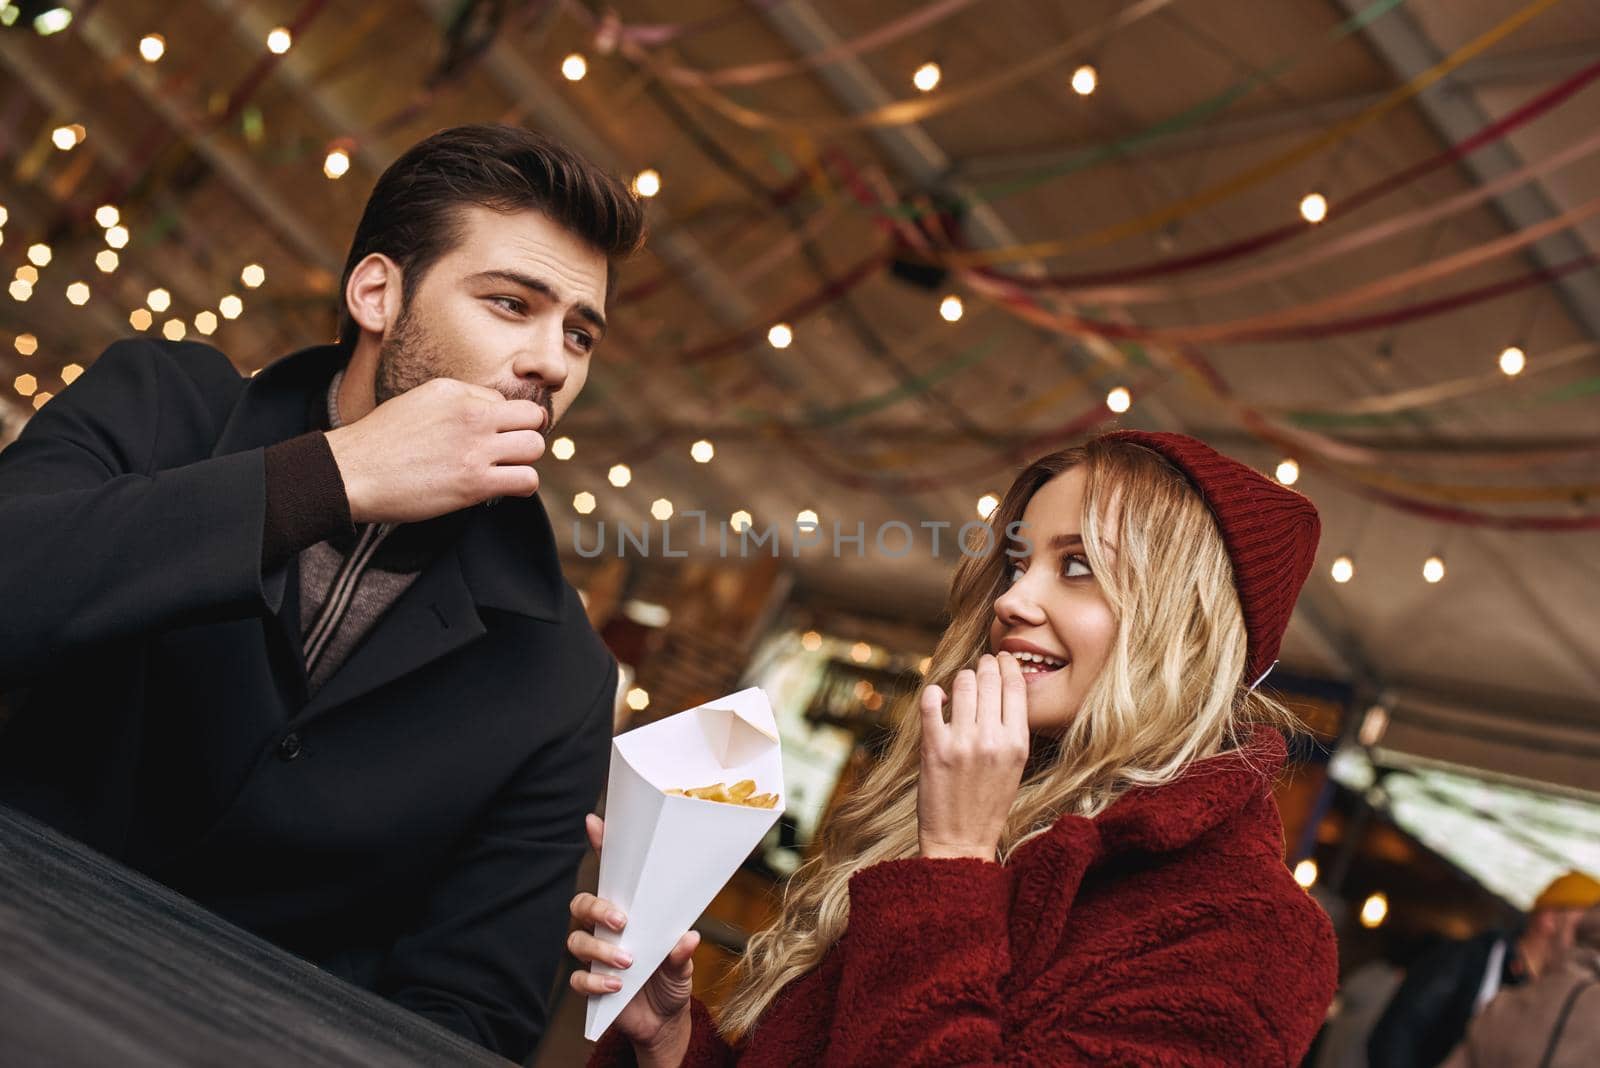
x=299, y=645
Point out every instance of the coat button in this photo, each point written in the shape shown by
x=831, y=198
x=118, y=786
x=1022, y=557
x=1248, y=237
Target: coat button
x=290, y=747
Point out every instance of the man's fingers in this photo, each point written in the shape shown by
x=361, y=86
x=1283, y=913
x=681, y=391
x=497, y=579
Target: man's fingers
x=518, y=447
x=517, y=414
x=511, y=480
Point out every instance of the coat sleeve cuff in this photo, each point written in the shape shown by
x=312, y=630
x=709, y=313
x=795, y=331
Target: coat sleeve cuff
x=306, y=500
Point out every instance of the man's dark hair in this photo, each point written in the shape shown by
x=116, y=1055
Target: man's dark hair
x=413, y=214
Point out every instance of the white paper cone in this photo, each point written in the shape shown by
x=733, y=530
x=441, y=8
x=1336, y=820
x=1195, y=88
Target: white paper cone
x=665, y=858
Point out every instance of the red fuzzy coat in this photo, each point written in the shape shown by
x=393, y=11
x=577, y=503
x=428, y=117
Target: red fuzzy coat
x=1166, y=931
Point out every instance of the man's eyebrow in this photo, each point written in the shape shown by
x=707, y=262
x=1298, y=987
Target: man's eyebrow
x=585, y=311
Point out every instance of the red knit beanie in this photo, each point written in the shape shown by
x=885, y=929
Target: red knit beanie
x=1270, y=532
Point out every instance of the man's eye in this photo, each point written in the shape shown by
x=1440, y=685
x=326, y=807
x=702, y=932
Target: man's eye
x=581, y=338
x=510, y=304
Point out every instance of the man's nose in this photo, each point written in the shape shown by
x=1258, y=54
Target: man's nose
x=544, y=359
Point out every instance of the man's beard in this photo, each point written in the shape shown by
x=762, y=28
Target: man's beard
x=409, y=356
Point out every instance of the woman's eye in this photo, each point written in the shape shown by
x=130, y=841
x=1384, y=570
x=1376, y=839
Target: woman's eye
x=1075, y=566
x=582, y=339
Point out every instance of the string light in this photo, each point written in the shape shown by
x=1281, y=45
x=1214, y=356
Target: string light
x=806, y=520
x=927, y=77
x=1433, y=569
x=39, y=255
x=5, y=216
x=1343, y=570
x=26, y=344
x=28, y=273
x=861, y=652
x=279, y=41
x=987, y=504
x=337, y=165
x=924, y=665
x=1512, y=361
x=1305, y=873
x=78, y=293
x=140, y=319
x=206, y=322
x=70, y=373
x=117, y=237
x=1119, y=400
x=106, y=260
x=1373, y=724
x=152, y=46
x=174, y=330
x=26, y=384
x=638, y=699
x=230, y=306
x=647, y=183
x=1288, y=472
x=158, y=300
x=811, y=641
x=54, y=20
x=66, y=138
x=1084, y=80
x=781, y=336
x=619, y=475
x=951, y=309
x=574, y=67
x=1374, y=910
x=41, y=398
x=583, y=503
x=253, y=275
x=1313, y=207
x=107, y=216
x=702, y=451
x=563, y=448
x=740, y=520
x=20, y=290
x=661, y=508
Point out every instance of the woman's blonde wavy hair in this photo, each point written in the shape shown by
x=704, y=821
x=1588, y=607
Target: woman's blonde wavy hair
x=1172, y=692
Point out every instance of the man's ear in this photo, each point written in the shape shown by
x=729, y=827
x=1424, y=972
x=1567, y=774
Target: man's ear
x=373, y=293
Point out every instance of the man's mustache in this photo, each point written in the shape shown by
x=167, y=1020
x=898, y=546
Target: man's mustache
x=540, y=395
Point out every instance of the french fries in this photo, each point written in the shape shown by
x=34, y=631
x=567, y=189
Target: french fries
x=742, y=792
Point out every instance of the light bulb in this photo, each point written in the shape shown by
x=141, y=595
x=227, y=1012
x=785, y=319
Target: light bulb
x=702, y=451
x=638, y=699
x=70, y=373
x=951, y=309
x=39, y=255
x=1288, y=472
x=563, y=448
x=253, y=275
x=740, y=520
x=140, y=318
x=1374, y=910
x=583, y=503
x=1512, y=361
x=26, y=344
x=107, y=216
x=781, y=336
x=78, y=293
x=152, y=46
x=647, y=183
x=1119, y=400
x=1084, y=80
x=927, y=77
x=806, y=520
x=106, y=260
x=861, y=652
x=1343, y=570
x=159, y=300
x=1305, y=873
x=661, y=508
x=811, y=641
x=117, y=236
x=987, y=504
x=279, y=40
x=206, y=322
x=1314, y=207
x=174, y=330
x=1433, y=569
x=230, y=306
x=619, y=476
x=574, y=67
x=337, y=165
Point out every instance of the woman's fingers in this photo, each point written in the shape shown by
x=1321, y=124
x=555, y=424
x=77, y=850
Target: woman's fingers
x=591, y=983
x=596, y=828
x=681, y=959
x=591, y=912
x=932, y=709
x=1013, y=695
x=964, y=699
x=988, y=710
x=587, y=948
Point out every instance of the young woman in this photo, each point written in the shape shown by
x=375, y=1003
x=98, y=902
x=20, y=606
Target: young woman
x=1069, y=853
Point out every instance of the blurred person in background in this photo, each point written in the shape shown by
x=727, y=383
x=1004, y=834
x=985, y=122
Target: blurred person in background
x=1552, y=1022
x=1446, y=987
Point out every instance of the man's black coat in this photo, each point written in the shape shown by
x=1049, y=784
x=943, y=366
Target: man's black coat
x=416, y=825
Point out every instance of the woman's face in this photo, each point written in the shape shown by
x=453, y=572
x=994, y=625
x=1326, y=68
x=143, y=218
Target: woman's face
x=1053, y=609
